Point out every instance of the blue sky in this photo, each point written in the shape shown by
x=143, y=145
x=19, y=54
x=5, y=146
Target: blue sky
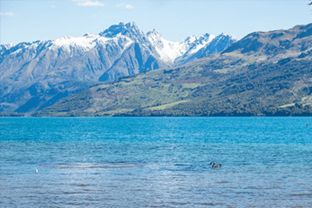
x=30, y=20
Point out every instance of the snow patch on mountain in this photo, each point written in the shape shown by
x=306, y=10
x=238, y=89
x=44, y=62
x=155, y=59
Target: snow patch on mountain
x=90, y=41
x=194, y=43
x=85, y=42
x=167, y=50
x=170, y=51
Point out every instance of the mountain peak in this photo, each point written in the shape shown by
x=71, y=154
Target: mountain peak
x=191, y=39
x=130, y=29
x=154, y=35
x=194, y=38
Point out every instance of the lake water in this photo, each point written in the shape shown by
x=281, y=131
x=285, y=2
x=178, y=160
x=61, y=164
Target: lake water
x=155, y=162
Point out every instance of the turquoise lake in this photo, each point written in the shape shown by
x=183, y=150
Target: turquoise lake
x=155, y=162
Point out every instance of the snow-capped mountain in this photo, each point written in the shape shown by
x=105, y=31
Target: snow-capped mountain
x=36, y=74
x=191, y=48
x=83, y=58
x=90, y=57
x=170, y=51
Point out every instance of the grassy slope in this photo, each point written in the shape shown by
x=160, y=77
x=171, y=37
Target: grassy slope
x=222, y=86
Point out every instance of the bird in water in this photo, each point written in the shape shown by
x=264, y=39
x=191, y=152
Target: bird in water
x=215, y=165
x=36, y=170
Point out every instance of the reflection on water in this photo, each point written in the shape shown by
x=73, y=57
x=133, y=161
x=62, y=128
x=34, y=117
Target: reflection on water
x=155, y=162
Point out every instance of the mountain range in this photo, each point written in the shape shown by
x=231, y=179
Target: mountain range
x=124, y=71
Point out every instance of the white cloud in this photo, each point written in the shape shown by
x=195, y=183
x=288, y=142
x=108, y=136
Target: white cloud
x=125, y=6
x=129, y=7
x=7, y=14
x=89, y=3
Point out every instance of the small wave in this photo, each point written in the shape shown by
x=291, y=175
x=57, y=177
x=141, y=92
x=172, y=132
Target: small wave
x=93, y=165
x=301, y=195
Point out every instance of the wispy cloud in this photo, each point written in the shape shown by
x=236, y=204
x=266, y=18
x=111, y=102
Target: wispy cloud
x=125, y=6
x=7, y=14
x=89, y=3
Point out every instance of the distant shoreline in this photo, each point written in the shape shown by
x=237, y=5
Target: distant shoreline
x=160, y=116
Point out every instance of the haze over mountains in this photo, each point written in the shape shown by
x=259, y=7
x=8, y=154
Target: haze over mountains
x=265, y=73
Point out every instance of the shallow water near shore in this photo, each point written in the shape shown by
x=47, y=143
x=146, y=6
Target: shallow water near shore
x=155, y=162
